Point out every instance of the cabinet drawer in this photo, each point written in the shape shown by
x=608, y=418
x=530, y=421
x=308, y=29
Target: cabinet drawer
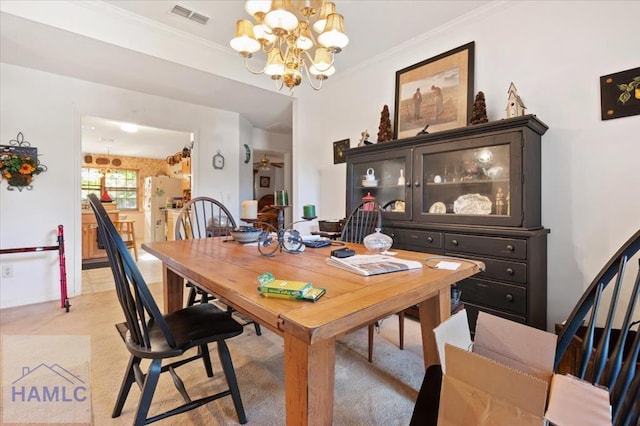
x=422, y=239
x=491, y=246
x=503, y=270
x=496, y=295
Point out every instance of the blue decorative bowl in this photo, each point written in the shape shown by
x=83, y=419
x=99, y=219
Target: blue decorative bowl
x=246, y=234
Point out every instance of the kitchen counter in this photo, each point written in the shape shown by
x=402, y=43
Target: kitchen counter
x=92, y=254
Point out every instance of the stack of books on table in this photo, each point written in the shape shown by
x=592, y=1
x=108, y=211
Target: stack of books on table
x=286, y=289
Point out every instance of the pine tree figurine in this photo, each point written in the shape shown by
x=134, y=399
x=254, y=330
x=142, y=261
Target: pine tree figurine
x=479, y=110
x=384, y=130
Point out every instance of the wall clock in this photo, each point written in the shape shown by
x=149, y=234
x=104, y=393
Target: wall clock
x=247, y=154
x=218, y=161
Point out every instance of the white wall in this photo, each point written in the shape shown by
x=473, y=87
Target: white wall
x=47, y=109
x=554, y=52
x=30, y=218
x=246, y=169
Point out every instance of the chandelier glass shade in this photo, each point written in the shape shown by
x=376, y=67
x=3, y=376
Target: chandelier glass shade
x=282, y=30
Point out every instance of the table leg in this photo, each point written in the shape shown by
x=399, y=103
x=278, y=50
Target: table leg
x=173, y=289
x=309, y=374
x=433, y=311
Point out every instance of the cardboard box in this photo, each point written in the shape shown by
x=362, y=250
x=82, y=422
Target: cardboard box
x=505, y=377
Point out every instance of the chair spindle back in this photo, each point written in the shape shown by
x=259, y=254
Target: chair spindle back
x=136, y=300
x=362, y=221
x=203, y=217
x=610, y=351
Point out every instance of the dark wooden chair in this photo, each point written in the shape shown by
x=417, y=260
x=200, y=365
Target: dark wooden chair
x=150, y=335
x=204, y=217
x=599, y=342
x=267, y=215
x=363, y=220
x=604, y=328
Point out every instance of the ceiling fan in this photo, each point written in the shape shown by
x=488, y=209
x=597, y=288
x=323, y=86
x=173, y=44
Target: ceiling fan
x=266, y=162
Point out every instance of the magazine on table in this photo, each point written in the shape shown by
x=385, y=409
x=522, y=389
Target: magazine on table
x=373, y=264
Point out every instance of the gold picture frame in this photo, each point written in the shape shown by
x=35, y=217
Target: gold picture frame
x=436, y=93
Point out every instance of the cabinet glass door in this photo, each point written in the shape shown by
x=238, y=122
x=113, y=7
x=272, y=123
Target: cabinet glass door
x=383, y=177
x=476, y=181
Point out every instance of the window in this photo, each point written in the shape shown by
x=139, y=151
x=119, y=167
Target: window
x=120, y=184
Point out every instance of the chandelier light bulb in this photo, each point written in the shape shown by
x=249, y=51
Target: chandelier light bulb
x=280, y=19
x=252, y=7
x=322, y=64
x=326, y=9
x=275, y=63
x=322, y=73
x=244, y=41
x=262, y=32
x=333, y=35
x=305, y=39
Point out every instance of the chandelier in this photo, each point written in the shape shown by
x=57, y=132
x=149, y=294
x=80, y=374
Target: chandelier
x=282, y=30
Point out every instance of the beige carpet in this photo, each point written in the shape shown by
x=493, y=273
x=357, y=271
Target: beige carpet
x=378, y=393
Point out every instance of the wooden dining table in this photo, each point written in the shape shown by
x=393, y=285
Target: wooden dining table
x=310, y=329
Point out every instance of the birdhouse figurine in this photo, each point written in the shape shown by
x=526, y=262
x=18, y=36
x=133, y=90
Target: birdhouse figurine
x=515, y=106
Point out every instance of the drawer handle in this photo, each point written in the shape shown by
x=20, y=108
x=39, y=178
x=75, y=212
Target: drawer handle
x=510, y=247
x=408, y=184
x=454, y=242
x=416, y=183
x=509, y=297
x=510, y=271
x=430, y=239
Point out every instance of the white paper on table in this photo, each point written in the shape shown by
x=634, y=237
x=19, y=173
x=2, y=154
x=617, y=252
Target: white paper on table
x=451, y=266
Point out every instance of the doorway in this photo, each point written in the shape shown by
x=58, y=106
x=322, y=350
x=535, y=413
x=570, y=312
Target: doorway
x=268, y=173
x=116, y=161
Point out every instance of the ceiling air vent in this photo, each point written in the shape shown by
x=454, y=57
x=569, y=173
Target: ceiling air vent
x=189, y=14
x=200, y=19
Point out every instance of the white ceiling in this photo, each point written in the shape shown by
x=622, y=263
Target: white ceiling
x=372, y=27
x=104, y=136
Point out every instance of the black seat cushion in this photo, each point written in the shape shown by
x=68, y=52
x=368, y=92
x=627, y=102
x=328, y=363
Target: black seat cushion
x=191, y=326
x=195, y=324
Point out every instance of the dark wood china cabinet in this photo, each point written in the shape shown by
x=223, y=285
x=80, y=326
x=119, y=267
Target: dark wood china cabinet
x=472, y=192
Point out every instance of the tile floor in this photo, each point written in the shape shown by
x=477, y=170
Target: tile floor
x=101, y=279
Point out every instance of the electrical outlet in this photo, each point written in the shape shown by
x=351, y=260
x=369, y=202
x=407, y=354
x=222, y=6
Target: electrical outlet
x=7, y=271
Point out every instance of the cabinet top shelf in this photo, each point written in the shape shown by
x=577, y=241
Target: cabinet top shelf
x=469, y=182
x=530, y=121
x=380, y=187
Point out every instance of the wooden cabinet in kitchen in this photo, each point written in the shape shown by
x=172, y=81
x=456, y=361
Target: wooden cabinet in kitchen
x=186, y=179
x=172, y=215
x=472, y=193
x=91, y=252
